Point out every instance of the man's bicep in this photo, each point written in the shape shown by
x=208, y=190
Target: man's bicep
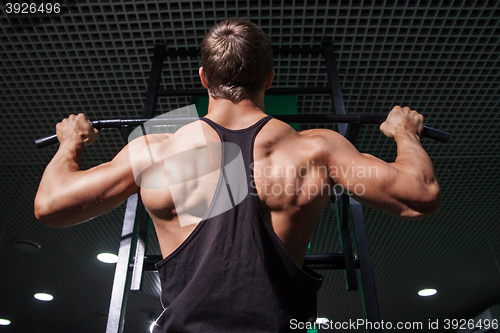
x=115, y=179
x=357, y=173
x=67, y=197
x=367, y=178
x=105, y=186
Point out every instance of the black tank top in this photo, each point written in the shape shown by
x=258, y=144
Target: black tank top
x=233, y=274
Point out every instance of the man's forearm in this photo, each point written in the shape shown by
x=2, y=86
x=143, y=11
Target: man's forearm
x=71, y=153
x=56, y=178
x=412, y=158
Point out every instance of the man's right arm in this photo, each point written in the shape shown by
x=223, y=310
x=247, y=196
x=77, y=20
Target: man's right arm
x=67, y=195
x=406, y=188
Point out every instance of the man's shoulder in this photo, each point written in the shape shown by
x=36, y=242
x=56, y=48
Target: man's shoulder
x=282, y=137
x=283, y=132
x=321, y=137
x=320, y=133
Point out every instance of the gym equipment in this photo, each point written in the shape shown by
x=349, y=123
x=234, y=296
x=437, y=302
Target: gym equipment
x=363, y=118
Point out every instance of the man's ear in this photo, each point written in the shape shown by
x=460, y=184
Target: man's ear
x=269, y=80
x=202, y=77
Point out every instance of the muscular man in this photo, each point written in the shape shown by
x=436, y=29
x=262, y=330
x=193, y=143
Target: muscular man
x=239, y=268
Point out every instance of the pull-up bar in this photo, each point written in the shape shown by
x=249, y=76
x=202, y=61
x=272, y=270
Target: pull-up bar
x=363, y=118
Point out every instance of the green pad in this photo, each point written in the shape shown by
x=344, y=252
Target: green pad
x=201, y=103
x=275, y=104
x=282, y=104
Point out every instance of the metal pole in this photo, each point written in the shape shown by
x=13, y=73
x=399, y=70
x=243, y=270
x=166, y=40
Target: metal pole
x=116, y=318
x=154, y=81
x=121, y=282
x=362, y=118
x=368, y=290
x=313, y=261
x=333, y=78
x=342, y=201
x=342, y=212
x=140, y=248
x=148, y=112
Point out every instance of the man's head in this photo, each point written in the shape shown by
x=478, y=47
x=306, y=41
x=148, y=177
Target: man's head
x=237, y=59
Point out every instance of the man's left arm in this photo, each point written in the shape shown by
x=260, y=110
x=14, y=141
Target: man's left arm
x=67, y=195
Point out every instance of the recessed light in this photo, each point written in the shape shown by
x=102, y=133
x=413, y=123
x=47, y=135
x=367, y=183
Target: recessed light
x=44, y=297
x=108, y=258
x=27, y=245
x=427, y=292
x=4, y=322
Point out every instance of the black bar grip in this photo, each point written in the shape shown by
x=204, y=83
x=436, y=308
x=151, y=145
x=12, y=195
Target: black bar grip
x=47, y=141
x=116, y=123
x=365, y=118
x=436, y=134
x=52, y=139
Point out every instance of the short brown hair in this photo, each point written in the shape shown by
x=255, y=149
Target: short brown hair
x=236, y=56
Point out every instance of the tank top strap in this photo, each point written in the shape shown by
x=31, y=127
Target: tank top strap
x=241, y=134
x=244, y=139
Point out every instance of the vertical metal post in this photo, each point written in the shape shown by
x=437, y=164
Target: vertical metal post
x=346, y=242
x=119, y=293
x=154, y=80
x=122, y=281
x=333, y=78
x=368, y=290
x=341, y=200
x=148, y=112
x=140, y=248
x=352, y=132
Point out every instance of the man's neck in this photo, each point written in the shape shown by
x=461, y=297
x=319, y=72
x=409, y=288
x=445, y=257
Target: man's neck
x=235, y=116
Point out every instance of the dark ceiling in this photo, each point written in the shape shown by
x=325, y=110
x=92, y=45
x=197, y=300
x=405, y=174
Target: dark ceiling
x=439, y=57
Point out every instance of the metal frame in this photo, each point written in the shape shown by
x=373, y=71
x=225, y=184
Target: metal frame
x=122, y=280
x=343, y=205
x=347, y=209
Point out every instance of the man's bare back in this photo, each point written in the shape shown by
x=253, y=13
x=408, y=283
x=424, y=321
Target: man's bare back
x=291, y=179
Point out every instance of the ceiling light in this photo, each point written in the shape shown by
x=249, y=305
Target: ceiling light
x=322, y=320
x=44, y=297
x=427, y=292
x=108, y=258
x=27, y=245
x=4, y=322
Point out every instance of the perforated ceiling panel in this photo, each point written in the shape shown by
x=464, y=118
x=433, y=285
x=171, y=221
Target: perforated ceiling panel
x=439, y=57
